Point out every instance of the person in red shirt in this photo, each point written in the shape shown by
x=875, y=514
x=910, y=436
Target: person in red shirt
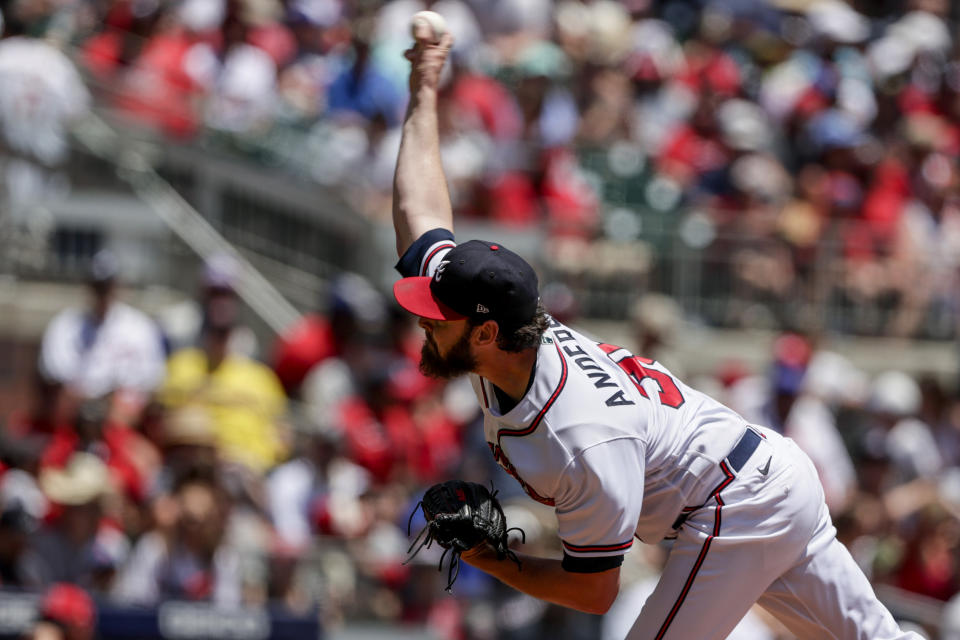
x=130, y=458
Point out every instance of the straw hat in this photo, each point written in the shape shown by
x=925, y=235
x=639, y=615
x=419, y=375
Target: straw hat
x=83, y=480
x=189, y=425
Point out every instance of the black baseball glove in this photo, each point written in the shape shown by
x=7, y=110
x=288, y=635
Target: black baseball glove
x=460, y=515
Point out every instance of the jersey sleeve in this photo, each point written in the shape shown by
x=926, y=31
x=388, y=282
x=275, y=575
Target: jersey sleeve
x=598, y=504
x=422, y=257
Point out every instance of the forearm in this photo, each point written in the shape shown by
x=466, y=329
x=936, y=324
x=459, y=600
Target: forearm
x=546, y=579
x=420, y=198
x=421, y=201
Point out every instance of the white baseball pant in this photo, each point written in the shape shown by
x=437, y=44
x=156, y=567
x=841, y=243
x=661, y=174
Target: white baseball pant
x=764, y=538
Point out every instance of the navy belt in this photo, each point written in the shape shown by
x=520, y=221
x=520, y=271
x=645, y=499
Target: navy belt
x=737, y=457
x=744, y=448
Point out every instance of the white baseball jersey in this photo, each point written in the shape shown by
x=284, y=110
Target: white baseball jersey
x=621, y=449
x=612, y=441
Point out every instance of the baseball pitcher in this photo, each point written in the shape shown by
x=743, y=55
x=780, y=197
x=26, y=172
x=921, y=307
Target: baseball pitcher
x=620, y=448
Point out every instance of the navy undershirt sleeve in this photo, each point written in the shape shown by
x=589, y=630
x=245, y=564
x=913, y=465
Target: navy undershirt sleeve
x=576, y=564
x=409, y=264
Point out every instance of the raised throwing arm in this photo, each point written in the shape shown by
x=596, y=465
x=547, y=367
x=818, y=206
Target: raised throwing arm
x=420, y=198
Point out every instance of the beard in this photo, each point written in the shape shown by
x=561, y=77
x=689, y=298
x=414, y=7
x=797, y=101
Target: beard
x=458, y=361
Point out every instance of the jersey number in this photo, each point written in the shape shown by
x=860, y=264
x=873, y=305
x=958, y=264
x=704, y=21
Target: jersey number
x=670, y=395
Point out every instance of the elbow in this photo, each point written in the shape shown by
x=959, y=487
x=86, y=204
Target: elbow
x=603, y=607
x=600, y=601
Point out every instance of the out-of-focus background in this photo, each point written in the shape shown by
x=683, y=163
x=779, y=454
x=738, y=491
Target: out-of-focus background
x=212, y=420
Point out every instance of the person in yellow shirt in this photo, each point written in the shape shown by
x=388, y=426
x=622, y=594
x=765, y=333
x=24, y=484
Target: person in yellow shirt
x=244, y=397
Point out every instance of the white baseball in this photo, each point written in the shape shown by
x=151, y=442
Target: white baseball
x=437, y=24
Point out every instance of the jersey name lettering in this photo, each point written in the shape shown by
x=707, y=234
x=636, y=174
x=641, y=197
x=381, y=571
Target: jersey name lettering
x=504, y=462
x=594, y=371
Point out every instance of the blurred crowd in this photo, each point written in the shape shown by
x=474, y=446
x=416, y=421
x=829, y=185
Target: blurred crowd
x=805, y=150
x=172, y=457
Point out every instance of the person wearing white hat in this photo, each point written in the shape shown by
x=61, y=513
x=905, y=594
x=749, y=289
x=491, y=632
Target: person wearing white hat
x=67, y=547
x=895, y=400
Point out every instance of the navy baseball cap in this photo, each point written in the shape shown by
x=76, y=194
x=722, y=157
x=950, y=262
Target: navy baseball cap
x=475, y=279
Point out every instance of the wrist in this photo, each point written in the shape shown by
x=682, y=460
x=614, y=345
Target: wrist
x=423, y=96
x=479, y=552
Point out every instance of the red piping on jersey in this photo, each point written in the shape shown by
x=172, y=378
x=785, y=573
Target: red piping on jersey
x=498, y=450
x=483, y=388
x=602, y=547
x=426, y=263
x=703, y=552
x=546, y=407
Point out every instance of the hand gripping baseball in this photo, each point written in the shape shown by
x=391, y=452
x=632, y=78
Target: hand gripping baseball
x=427, y=56
x=461, y=515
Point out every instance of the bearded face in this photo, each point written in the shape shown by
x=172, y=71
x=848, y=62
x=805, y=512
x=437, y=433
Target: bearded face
x=457, y=361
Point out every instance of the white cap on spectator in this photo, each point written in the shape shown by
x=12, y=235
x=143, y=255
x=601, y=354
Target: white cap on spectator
x=834, y=378
x=572, y=18
x=20, y=487
x=915, y=32
x=104, y=266
x=744, y=125
x=220, y=271
x=890, y=55
x=534, y=16
x=323, y=13
x=202, y=15
x=249, y=73
x=838, y=21
x=761, y=175
x=656, y=39
x=896, y=393
x=610, y=31
x=924, y=31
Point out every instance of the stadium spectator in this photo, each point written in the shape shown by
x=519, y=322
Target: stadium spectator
x=354, y=311
x=317, y=493
x=244, y=397
x=895, y=400
x=18, y=565
x=78, y=543
x=189, y=558
x=130, y=458
x=188, y=443
x=67, y=612
x=182, y=323
x=779, y=159
x=243, y=95
x=107, y=347
x=361, y=89
x=830, y=382
x=43, y=96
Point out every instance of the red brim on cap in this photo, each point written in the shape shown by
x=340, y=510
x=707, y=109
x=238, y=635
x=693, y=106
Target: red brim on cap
x=415, y=296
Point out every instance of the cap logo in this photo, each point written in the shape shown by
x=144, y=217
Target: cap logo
x=440, y=267
x=482, y=309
